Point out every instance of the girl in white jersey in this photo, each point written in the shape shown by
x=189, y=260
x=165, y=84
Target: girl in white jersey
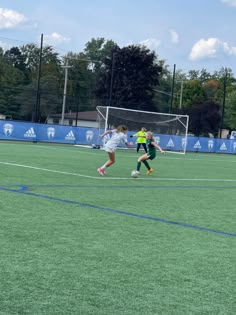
x=119, y=134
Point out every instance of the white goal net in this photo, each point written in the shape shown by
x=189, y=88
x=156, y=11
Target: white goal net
x=170, y=130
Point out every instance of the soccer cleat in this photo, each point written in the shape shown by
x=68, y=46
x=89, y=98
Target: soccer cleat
x=101, y=171
x=150, y=171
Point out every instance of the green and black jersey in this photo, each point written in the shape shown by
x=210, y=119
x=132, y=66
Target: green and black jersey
x=151, y=149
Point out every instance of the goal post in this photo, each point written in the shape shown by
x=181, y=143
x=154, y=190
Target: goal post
x=170, y=130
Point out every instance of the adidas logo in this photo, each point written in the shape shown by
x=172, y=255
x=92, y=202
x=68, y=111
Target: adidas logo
x=197, y=145
x=223, y=146
x=70, y=136
x=30, y=133
x=170, y=143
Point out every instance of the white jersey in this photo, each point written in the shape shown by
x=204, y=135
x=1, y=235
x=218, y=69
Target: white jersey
x=114, y=141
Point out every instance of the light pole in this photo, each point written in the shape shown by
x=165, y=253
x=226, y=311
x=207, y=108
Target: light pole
x=172, y=90
x=112, y=77
x=36, y=114
x=64, y=94
x=223, y=104
x=181, y=94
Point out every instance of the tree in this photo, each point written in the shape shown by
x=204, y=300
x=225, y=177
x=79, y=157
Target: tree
x=49, y=91
x=10, y=79
x=128, y=78
x=81, y=82
x=193, y=93
x=97, y=50
x=162, y=90
x=230, y=111
x=15, y=58
x=31, y=54
x=204, y=118
x=212, y=90
x=50, y=98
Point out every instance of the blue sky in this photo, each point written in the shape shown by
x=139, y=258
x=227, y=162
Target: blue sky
x=191, y=34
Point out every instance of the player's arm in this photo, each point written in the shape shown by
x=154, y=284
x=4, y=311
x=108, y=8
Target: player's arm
x=158, y=147
x=128, y=144
x=105, y=133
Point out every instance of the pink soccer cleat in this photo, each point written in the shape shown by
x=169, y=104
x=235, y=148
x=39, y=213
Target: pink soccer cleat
x=101, y=171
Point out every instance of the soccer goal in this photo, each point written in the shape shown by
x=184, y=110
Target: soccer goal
x=170, y=130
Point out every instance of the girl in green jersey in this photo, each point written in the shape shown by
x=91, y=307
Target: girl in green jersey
x=151, y=154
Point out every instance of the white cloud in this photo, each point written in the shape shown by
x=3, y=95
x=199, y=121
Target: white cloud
x=10, y=18
x=228, y=49
x=55, y=39
x=174, y=36
x=151, y=43
x=210, y=48
x=230, y=2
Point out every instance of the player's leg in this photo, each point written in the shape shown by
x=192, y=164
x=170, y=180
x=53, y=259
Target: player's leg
x=140, y=160
x=111, y=155
x=145, y=147
x=138, y=146
x=150, y=157
x=144, y=159
x=138, y=166
x=111, y=159
x=150, y=170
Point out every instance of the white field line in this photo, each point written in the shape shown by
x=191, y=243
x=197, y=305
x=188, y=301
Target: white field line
x=120, y=178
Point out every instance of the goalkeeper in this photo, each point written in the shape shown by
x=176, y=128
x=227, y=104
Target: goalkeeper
x=141, y=139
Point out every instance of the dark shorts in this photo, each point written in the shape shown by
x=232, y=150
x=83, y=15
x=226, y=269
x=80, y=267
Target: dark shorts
x=151, y=156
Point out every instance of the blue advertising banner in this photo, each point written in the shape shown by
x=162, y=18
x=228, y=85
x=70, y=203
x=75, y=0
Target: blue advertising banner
x=10, y=130
x=25, y=131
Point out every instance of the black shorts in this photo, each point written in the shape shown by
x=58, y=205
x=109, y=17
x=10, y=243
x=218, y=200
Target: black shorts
x=151, y=156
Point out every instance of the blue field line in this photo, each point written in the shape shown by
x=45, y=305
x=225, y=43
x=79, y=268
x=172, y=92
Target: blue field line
x=24, y=190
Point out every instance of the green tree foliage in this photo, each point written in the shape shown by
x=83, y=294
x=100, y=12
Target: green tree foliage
x=105, y=74
x=230, y=111
x=128, y=78
x=31, y=55
x=50, y=98
x=10, y=78
x=193, y=93
x=15, y=58
x=83, y=73
x=163, y=90
x=80, y=84
x=203, y=96
x=97, y=50
x=50, y=78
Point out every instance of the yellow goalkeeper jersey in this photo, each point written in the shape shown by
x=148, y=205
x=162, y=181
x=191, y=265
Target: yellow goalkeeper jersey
x=141, y=136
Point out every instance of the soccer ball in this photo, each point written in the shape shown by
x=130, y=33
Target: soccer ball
x=134, y=174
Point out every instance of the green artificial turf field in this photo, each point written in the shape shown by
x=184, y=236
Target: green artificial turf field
x=73, y=242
